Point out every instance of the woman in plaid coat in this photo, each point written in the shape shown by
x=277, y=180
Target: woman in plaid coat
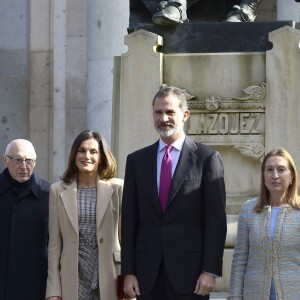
x=84, y=216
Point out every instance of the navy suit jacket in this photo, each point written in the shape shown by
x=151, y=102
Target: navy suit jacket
x=190, y=234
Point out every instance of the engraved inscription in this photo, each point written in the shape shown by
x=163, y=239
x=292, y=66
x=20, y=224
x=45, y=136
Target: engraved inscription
x=238, y=122
x=251, y=123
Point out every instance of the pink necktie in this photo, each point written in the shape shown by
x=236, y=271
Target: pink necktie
x=165, y=177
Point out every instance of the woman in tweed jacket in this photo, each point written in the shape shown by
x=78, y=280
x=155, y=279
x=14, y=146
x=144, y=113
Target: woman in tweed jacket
x=266, y=259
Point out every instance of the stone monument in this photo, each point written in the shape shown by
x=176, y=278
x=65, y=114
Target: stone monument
x=244, y=80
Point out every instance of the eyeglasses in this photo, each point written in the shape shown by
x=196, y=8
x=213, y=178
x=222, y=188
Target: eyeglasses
x=18, y=161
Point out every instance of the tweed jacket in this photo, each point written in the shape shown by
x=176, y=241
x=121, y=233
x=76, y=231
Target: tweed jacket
x=257, y=259
x=64, y=239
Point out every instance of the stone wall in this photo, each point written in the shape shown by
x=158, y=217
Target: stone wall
x=14, y=68
x=56, y=70
x=56, y=73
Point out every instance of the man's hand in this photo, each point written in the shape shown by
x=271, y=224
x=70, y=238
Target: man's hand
x=131, y=286
x=205, y=284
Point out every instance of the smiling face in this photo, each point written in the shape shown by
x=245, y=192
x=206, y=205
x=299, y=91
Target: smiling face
x=88, y=157
x=169, y=118
x=277, y=175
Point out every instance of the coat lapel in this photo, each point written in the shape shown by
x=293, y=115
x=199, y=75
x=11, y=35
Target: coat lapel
x=186, y=161
x=69, y=199
x=104, y=194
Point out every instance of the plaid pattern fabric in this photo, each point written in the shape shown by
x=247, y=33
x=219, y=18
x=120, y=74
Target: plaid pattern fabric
x=88, y=248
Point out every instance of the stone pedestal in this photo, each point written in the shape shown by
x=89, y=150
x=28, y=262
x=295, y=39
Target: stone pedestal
x=215, y=37
x=243, y=104
x=140, y=76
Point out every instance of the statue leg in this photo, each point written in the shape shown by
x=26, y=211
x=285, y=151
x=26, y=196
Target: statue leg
x=151, y=5
x=170, y=12
x=246, y=11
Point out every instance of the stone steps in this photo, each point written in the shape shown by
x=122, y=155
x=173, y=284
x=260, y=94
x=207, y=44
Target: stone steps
x=218, y=296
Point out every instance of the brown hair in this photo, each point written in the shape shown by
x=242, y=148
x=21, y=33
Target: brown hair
x=292, y=191
x=107, y=168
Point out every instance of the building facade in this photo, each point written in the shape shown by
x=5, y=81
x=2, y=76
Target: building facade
x=56, y=70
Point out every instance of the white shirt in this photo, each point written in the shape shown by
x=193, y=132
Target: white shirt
x=175, y=153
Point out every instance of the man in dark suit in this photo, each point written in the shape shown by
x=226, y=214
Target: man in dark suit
x=172, y=250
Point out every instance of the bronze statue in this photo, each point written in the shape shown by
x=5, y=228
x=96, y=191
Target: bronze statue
x=244, y=12
x=171, y=12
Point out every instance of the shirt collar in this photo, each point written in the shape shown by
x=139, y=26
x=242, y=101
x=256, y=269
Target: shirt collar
x=178, y=144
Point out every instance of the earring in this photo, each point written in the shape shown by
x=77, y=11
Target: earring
x=291, y=182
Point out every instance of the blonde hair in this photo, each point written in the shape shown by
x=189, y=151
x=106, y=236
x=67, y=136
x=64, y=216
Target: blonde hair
x=292, y=196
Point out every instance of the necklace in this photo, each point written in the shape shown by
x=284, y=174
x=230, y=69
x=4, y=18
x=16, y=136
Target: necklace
x=86, y=187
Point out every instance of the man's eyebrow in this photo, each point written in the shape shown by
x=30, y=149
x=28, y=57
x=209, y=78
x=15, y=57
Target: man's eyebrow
x=166, y=110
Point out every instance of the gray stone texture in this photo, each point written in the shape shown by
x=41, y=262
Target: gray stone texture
x=14, y=99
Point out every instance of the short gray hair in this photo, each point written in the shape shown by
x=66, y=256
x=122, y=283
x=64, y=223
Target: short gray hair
x=165, y=91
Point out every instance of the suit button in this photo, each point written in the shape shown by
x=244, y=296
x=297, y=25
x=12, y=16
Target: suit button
x=101, y=240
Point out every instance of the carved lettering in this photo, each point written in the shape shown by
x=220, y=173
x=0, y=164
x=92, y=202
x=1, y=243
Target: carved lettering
x=256, y=117
x=238, y=122
x=212, y=125
x=223, y=123
x=234, y=128
x=202, y=125
x=226, y=124
x=243, y=123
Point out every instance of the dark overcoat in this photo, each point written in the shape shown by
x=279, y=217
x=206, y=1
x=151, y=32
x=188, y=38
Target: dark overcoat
x=24, y=238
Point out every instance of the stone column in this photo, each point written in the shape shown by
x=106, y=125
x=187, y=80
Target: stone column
x=288, y=10
x=107, y=23
x=140, y=77
x=283, y=90
x=39, y=87
x=59, y=88
x=13, y=72
x=76, y=70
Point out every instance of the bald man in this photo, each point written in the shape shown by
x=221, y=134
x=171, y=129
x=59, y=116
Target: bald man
x=23, y=225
